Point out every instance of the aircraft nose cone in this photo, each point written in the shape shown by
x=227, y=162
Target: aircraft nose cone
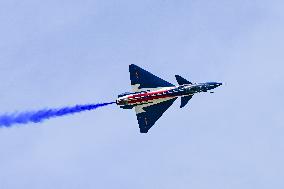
x=213, y=85
x=216, y=84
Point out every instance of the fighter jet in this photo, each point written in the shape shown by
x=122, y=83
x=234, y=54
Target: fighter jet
x=152, y=96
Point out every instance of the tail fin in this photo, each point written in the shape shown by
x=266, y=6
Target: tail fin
x=181, y=80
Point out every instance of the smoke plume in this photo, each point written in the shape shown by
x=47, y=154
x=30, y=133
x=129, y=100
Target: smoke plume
x=8, y=120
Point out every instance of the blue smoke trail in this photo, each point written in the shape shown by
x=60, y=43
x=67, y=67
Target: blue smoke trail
x=8, y=120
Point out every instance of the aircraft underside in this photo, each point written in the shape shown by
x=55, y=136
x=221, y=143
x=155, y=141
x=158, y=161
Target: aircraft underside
x=152, y=96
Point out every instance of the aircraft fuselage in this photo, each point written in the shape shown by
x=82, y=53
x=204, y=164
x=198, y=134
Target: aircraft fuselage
x=129, y=100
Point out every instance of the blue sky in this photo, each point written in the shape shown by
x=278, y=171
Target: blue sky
x=56, y=53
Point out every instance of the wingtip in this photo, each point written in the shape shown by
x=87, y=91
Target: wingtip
x=143, y=130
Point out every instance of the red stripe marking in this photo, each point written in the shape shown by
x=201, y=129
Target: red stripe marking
x=147, y=94
x=146, y=99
